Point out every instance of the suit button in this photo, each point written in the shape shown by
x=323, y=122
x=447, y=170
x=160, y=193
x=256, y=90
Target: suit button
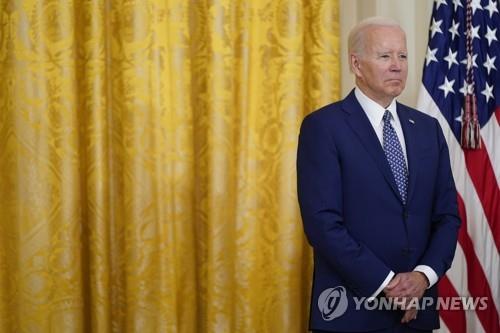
x=405, y=215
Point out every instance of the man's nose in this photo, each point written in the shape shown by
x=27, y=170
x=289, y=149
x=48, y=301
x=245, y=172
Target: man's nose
x=396, y=64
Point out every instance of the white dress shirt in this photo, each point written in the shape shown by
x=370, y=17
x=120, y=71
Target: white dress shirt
x=375, y=113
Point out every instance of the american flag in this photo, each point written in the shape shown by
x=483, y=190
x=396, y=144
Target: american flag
x=463, y=58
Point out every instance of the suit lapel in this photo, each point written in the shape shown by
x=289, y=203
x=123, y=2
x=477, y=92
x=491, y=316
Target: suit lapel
x=359, y=123
x=410, y=133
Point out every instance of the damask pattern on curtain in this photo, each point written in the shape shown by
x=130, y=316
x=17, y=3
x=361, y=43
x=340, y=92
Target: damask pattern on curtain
x=147, y=162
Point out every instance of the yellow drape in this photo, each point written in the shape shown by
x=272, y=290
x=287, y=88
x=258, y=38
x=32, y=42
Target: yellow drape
x=147, y=162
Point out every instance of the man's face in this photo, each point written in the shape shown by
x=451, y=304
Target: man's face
x=381, y=67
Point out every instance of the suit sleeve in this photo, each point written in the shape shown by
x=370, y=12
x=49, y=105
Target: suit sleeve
x=319, y=185
x=445, y=219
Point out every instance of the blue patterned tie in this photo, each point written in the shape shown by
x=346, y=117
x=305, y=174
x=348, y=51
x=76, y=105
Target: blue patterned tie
x=395, y=156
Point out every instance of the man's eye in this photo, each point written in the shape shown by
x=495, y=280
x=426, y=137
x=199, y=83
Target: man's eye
x=385, y=56
x=403, y=56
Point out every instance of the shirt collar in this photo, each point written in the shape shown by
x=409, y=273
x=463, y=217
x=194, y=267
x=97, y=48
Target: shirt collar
x=373, y=110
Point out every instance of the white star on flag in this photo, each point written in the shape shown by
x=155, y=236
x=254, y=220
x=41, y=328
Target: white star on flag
x=431, y=56
x=440, y=2
x=492, y=8
x=466, y=89
x=451, y=58
x=476, y=4
x=488, y=92
x=447, y=86
x=475, y=32
x=436, y=27
x=491, y=35
x=489, y=64
x=456, y=4
x=454, y=29
x=468, y=61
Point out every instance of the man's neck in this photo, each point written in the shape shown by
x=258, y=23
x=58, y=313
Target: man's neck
x=383, y=102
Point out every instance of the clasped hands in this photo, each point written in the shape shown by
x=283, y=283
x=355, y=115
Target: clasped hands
x=405, y=287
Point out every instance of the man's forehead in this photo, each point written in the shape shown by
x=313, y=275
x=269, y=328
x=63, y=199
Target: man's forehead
x=383, y=31
x=386, y=36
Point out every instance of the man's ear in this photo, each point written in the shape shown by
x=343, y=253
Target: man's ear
x=355, y=64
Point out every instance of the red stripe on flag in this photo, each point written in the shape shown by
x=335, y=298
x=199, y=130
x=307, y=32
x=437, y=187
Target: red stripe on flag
x=476, y=279
x=454, y=319
x=483, y=177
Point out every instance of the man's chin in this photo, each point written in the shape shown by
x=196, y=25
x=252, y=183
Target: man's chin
x=395, y=91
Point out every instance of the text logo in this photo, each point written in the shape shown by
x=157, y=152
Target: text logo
x=332, y=303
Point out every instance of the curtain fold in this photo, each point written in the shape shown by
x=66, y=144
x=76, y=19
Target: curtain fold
x=147, y=162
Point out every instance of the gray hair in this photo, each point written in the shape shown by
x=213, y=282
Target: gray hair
x=356, y=35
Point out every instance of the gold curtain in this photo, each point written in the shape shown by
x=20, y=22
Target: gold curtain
x=147, y=162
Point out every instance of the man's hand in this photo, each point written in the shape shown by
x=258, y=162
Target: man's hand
x=410, y=314
x=407, y=285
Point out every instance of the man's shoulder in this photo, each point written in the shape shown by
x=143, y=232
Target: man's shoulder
x=325, y=113
x=417, y=114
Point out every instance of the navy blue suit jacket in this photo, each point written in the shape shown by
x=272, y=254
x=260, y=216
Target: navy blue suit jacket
x=353, y=215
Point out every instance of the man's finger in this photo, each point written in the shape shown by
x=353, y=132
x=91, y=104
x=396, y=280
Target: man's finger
x=409, y=315
x=394, y=282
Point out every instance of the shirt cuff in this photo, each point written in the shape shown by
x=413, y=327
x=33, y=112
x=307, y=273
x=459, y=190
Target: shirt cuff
x=428, y=272
x=382, y=286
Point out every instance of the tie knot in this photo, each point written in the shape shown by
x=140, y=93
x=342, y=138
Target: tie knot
x=387, y=116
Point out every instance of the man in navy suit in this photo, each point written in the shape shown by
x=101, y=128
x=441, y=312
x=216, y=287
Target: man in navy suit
x=377, y=197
